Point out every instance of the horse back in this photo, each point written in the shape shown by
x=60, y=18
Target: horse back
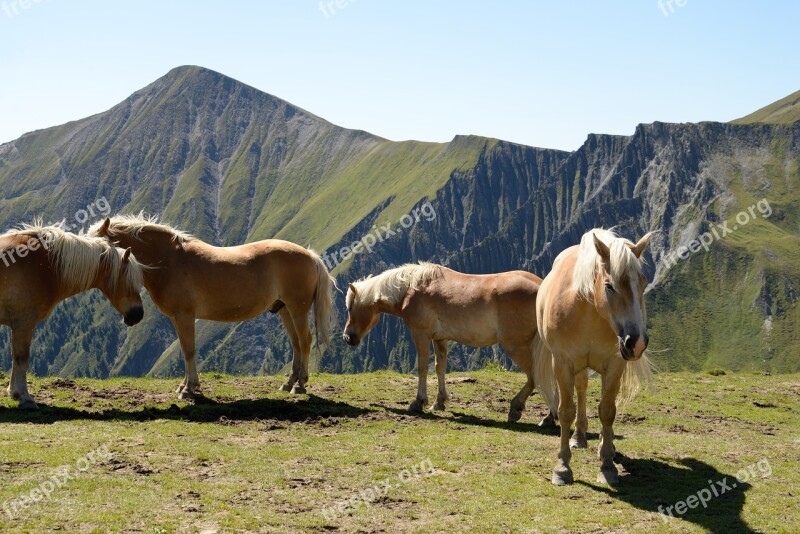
x=476, y=310
x=236, y=283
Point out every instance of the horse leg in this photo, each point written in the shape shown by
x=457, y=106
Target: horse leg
x=578, y=440
x=608, y=411
x=303, y=332
x=184, y=325
x=286, y=319
x=440, y=351
x=523, y=357
x=562, y=473
x=21, y=338
x=422, y=343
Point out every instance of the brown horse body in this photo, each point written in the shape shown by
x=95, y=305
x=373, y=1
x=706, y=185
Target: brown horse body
x=40, y=267
x=439, y=304
x=189, y=279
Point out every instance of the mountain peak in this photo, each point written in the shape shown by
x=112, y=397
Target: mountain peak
x=195, y=72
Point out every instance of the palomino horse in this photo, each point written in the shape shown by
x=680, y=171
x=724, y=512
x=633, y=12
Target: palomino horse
x=439, y=304
x=591, y=314
x=40, y=267
x=189, y=279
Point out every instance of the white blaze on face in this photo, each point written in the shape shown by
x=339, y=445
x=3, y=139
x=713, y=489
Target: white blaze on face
x=638, y=349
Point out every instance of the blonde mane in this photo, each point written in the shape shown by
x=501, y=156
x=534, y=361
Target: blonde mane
x=392, y=285
x=78, y=258
x=624, y=263
x=135, y=224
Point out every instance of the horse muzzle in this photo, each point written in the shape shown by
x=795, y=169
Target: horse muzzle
x=632, y=347
x=133, y=316
x=350, y=339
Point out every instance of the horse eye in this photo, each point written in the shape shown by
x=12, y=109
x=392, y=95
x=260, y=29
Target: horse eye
x=610, y=287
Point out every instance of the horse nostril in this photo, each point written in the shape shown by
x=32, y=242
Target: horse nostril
x=630, y=342
x=134, y=315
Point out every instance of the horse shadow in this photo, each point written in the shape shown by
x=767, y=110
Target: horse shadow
x=655, y=486
x=203, y=410
x=473, y=420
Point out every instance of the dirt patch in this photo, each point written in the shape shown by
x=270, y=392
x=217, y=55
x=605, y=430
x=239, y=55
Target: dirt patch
x=7, y=467
x=62, y=383
x=764, y=404
x=461, y=380
x=632, y=419
x=123, y=466
x=680, y=429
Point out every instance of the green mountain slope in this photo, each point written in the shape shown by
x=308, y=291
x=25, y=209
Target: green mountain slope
x=232, y=164
x=784, y=111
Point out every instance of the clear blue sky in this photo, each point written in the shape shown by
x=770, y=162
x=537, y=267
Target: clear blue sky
x=534, y=72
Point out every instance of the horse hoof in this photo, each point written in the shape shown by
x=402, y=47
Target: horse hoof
x=514, y=416
x=285, y=387
x=418, y=406
x=578, y=442
x=186, y=394
x=438, y=406
x=562, y=476
x=547, y=422
x=608, y=475
x=180, y=389
x=298, y=390
x=28, y=404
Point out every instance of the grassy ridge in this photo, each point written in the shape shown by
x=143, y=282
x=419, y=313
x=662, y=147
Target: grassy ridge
x=784, y=111
x=254, y=459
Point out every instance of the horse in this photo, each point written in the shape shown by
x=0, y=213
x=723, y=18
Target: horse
x=591, y=314
x=437, y=305
x=42, y=265
x=189, y=279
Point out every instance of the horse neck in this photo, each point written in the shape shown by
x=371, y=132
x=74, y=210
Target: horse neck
x=100, y=282
x=392, y=308
x=150, y=248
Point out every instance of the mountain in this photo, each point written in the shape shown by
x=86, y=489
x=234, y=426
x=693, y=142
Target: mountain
x=784, y=111
x=232, y=164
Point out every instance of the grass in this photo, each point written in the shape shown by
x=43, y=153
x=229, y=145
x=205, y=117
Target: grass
x=251, y=458
x=784, y=111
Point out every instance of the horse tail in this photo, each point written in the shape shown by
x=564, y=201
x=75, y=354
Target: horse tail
x=324, y=311
x=543, y=373
x=637, y=375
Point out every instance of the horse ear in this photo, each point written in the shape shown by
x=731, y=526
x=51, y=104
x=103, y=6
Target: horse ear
x=104, y=228
x=602, y=249
x=126, y=256
x=353, y=289
x=639, y=247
